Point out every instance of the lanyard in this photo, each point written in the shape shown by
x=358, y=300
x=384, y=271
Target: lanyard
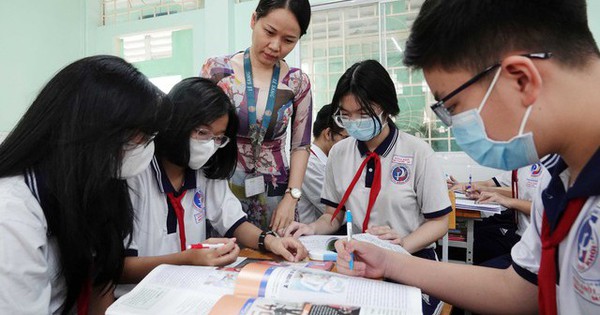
x=179, y=211
x=375, y=188
x=550, y=241
x=257, y=132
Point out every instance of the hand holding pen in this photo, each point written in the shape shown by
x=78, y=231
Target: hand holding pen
x=212, y=252
x=371, y=260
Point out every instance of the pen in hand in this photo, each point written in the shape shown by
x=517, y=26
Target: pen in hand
x=205, y=246
x=349, y=236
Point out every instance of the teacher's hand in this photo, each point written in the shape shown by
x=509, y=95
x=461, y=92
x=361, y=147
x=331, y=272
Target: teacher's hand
x=284, y=214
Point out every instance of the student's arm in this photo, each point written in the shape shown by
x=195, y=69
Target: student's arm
x=323, y=225
x=520, y=205
x=478, y=289
x=287, y=247
x=136, y=268
x=429, y=232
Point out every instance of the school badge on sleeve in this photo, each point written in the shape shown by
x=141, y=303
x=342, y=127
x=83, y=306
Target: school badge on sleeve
x=199, y=207
x=400, y=174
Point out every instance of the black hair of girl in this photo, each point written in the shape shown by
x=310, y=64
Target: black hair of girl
x=370, y=84
x=197, y=102
x=300, y=9
x=72, y=136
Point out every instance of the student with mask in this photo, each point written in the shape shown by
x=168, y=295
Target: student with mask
x=184, y=193
x=390, y=181
x=326, y=134
x=530, y=71
x=64, y=203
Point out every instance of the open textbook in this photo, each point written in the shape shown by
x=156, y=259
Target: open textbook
x=321, y=247
x=464, y=203
x=262, y=289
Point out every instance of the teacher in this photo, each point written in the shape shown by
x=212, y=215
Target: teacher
x=268, y=95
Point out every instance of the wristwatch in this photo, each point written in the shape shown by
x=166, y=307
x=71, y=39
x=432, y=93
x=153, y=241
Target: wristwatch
x=295, y=192
x=261, y=240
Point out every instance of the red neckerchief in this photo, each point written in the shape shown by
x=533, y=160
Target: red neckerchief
x=83, y=301
x=375, y=188
x=550, y=242
x=179, y=211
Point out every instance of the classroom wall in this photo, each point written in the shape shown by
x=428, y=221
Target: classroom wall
x=38, y=38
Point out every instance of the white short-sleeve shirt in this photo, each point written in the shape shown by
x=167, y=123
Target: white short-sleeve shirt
x=413, y=185
x=310, y=207
x=206, y=200
x=29, y=260
x=529, y=179
x=578, y=291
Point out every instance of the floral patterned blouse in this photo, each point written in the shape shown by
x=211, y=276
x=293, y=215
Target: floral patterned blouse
x=293, y=105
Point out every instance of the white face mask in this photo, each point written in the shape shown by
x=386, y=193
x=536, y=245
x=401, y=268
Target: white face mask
x=200, y=152
x=136, y=160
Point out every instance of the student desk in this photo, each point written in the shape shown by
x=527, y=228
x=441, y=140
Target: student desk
x=470, y=217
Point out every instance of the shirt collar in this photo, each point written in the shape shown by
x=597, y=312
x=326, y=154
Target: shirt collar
x=555, y=198
x=385, y=147
x=318, y=153
x=165, y=184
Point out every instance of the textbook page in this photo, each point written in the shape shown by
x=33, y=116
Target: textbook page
x=170, y=289
x=322, y=287
x=230, y=304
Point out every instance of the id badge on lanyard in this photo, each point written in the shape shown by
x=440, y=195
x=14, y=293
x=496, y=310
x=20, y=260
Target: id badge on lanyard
x=254, y=184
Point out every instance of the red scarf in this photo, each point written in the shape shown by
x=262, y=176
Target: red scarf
x=179, y=211
x=375, y=188
x=550, y=242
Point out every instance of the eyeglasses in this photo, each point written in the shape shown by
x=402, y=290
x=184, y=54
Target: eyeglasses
x=206, y=135
x=140, y=138
x=342, y=120
x=445, y=115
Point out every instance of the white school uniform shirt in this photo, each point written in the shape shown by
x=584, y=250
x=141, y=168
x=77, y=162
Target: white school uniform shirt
x=578, y=266
x=413, y=186
x=529, y=179
x=206, y=201
x=310, y=207
x=29, y=259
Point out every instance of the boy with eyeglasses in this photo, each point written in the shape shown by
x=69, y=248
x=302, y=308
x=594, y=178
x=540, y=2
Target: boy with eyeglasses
x=538, y=94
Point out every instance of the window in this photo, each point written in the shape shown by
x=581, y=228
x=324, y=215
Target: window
x=148, y=46
x=117, y=11
x=341, y=34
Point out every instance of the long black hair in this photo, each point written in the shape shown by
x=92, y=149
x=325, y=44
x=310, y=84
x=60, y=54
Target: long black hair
x=299, y=8
x=370, y=84
x=199, y=101
x=72, y=137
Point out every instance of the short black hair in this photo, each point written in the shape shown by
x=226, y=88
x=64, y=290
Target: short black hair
x=370, y=84
x=300, y=9
x=474, y=34
x=199, y=101
x=323, y=121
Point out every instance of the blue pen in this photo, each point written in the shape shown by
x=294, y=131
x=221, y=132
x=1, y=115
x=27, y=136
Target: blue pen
x=349, y=235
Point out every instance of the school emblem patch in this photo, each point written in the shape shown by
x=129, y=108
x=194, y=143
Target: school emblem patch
x=400, y=174
x=586, y=280
x=536, y=169
x=199, y=207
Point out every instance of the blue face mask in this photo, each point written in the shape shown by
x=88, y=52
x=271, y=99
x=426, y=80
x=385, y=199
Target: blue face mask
x=363, y=129
x=469, y=131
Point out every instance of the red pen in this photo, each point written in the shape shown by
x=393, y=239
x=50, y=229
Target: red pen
x=205, y=246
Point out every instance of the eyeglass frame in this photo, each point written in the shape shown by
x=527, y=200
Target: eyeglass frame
x=223, y=140
x=337, y=114
x=442, y=112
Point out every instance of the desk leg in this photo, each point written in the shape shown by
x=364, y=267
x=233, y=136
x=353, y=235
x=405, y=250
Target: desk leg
x=470, y=237
x=445, y=248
